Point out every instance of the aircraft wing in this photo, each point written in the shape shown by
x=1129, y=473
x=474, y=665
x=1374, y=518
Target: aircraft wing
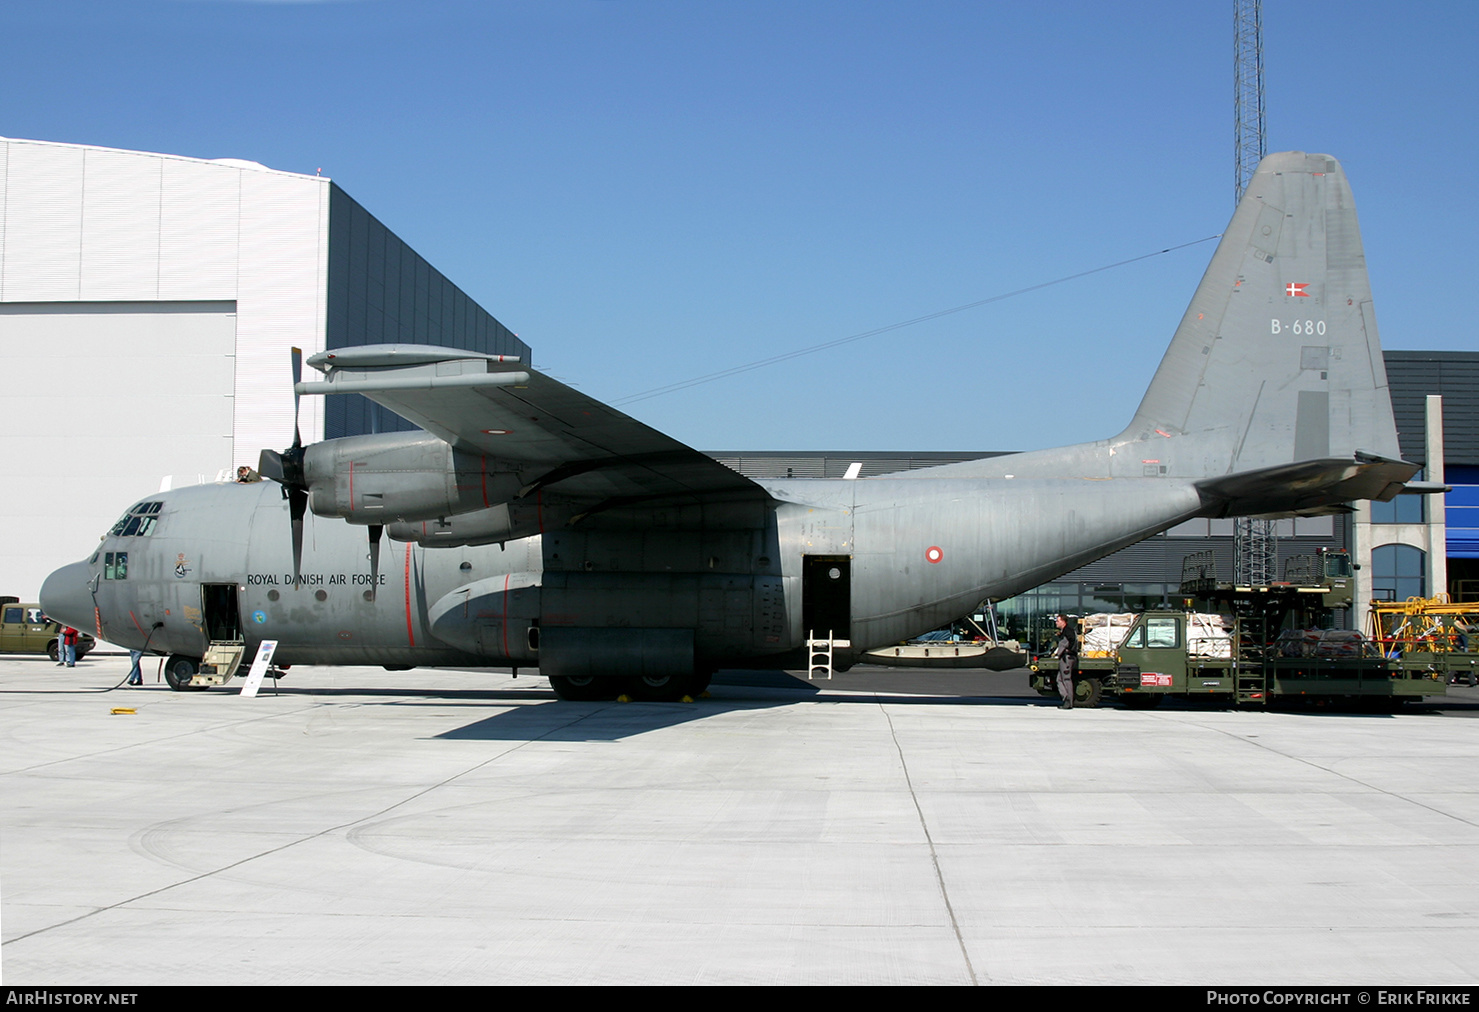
x=554, y=436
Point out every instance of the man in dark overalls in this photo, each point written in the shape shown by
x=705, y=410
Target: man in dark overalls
x=1067, y=653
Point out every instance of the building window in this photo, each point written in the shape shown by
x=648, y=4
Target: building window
x=1398, y=573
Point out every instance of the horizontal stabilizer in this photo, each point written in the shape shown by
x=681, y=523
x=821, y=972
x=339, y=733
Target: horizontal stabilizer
x=1287, y=489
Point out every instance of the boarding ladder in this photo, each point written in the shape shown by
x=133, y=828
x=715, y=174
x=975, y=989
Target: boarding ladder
x=819, y=650
x=222, y=658
x=1251, y=654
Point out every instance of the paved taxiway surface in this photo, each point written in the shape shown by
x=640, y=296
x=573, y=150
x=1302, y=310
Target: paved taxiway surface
x=366, y=827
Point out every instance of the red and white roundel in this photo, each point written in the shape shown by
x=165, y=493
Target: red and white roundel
x=933, y=553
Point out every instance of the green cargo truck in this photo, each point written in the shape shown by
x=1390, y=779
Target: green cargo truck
x=1162, y=656
x=1254, y=645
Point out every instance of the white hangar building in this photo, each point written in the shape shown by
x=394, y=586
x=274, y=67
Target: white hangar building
x=148, y=303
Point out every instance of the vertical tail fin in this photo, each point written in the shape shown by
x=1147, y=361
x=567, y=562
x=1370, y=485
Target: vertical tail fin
x=1277, y=359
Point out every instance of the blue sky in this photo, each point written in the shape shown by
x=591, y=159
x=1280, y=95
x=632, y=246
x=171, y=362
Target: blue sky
x=650, y=191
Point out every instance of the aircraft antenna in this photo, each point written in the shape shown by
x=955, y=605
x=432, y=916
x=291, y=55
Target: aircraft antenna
x=1255, y=547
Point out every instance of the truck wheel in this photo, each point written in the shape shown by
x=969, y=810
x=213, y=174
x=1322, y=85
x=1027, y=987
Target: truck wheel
x=1086, y=692
x=179, y=670
x=53, y=651
x=1042, y=685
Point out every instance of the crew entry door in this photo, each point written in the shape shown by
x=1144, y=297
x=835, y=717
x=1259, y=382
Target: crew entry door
x=226, y=645
x=826, y=597
x=221, y=612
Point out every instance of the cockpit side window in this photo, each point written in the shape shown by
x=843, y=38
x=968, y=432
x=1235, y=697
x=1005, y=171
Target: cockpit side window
x=115, y=565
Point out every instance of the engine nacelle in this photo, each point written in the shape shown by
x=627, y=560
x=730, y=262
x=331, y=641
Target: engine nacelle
x=507, y=521
x=401, y=477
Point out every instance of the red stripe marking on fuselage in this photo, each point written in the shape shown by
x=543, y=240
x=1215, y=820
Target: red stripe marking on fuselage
x=410, y=632
x=130, y=615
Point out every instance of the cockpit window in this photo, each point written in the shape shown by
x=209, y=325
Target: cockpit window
x=139, y=521
x=115, y=565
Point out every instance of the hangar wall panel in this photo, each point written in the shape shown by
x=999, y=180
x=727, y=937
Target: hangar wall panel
x=119, y=251
x=43, y=247
x=102, y=400
x=200, y=219
x=282, y=249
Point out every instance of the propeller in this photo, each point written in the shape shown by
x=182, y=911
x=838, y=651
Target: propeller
x=375, y=531
x=286, y=468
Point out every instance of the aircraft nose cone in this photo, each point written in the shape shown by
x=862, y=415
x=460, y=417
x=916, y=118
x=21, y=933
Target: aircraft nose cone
x=65, y=595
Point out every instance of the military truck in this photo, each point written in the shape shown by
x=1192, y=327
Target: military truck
x=1253, y=645
x=24, y=629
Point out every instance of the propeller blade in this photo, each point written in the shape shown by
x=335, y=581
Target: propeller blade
x=297, y=355
x=297, y=506
x=375, y=531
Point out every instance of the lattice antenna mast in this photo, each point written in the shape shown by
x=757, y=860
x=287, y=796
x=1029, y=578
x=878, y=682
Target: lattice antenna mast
x=1249, y=127
x=1255, y=548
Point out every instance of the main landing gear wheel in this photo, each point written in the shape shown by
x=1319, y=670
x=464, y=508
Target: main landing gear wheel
x=585, y=688
x=179, y=670
x=658, y=688
x=668, y=688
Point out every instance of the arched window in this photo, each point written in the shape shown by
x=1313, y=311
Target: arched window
x=1398, y=572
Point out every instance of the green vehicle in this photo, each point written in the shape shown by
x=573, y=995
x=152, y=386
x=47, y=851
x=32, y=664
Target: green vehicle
x=24, y=629
x=1165, y=654
x=1252, y=645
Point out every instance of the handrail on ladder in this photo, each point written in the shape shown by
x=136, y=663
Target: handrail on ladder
x=818, y=649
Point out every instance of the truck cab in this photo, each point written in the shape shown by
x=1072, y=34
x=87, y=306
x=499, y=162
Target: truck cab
x=1174, y=652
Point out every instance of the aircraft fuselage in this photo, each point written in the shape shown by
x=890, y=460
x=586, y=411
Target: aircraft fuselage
x=873, y=560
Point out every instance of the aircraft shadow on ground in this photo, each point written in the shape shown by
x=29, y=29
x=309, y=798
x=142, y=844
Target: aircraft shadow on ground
x=565, y=721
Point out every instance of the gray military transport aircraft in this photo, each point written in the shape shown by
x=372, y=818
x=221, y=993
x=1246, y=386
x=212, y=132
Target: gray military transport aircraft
x=533, y=526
